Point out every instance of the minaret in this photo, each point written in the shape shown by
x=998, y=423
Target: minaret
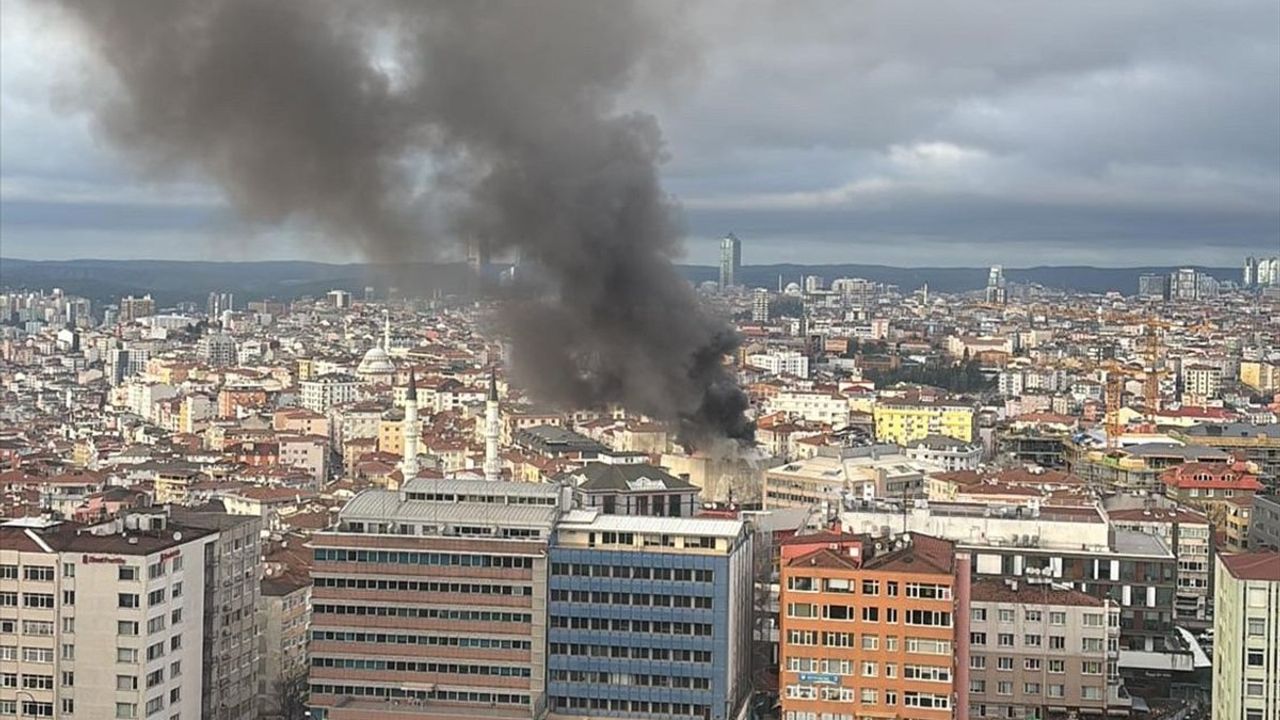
x=409, y=465
x=492, y=466
x=386, y=332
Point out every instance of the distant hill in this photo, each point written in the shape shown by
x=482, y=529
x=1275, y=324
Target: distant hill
x=176, y=281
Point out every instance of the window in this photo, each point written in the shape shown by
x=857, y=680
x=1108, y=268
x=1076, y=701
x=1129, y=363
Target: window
x=127, y=573
x=1031, y=688
x=37, y=655
x=977, y=662
x=1031, y=640
x=1255, y=658
x=175, y=642
x=1032, y=664
x=175, y=617
x=1004, y=663
x=1004, y=687
x=68, y=706
x=838, y=612
x=978, y=614
x=68, y=678
x=870, y=614
x=802, y=584
x=1057, y=618
x=1091, y=692
x=1057, y=642
x=1033, y=616
x=1057, y=667
x=977, y=638
x=1057, y=691
x=127, y=627
x=802, y=610
x=38, y=573
x=126, y=710
x=126, y=655
x=155, y=651
x=154, y=678
x=68, y=570
x=1257, y=627
x=1091, y=645
x=155, y=597
x=8, y=572
x=977, y=686
x=155, y=624
x=68, y=625
x=68, y=651
x=128, y=600
x=177, y=590
x=175, y=669
x=868, y=696
x=37, y=600
x=927, y=673
x=175, y=695
x=929, y=618
x=1006, y=616
x=1004, y=639
x=870, y=642
x=870, y=587
x=9, y=680
x=1091, y=667
x=68, y=597
x=1093, y=620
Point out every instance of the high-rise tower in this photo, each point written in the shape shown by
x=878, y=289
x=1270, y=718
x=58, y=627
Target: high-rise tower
x=492, y=466
x=409, y=465
x=730, y=261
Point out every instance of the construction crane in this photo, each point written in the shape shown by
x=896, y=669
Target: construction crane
x=1151, y=356
x=1113, y=394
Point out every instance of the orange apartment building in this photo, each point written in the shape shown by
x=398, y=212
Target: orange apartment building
x=875, y=629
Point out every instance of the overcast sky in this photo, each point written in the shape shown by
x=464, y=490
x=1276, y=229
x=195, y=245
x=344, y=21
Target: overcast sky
x=1111, y=133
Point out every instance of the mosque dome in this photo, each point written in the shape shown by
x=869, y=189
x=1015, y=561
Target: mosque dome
x=376, y=362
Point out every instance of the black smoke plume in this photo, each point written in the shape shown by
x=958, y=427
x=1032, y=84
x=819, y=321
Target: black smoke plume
x=396, y=125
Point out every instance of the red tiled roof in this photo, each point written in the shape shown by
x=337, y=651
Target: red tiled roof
x=1253, y=565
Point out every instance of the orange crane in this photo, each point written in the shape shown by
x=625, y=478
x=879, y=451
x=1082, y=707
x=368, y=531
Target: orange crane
x=1113, y=394
x=1151, y=356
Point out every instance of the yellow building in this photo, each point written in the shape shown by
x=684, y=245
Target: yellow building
x=391, y=432
x=905, y=421
x=1259, y=375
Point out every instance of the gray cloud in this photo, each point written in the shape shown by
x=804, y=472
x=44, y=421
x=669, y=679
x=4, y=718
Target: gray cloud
x=1086, y=130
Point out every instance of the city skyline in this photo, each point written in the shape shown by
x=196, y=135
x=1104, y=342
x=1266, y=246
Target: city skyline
x=952, y=154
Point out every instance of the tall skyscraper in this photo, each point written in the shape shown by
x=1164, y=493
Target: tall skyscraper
x=996, y=292
x=1184, y=284
x=1154, y=286
x=1250, y=271
x=218, y=303
x=730, y=261
x=134, y=308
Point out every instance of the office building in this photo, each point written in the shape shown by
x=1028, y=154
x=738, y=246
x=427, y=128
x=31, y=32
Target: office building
x=1185, y=531
x=430, y=602
x=135, y=308
x=760, y=306
x=1246, y=651
x=875, y=628
x=218, y=303
x=102, y=622
x=631, y=489
x=781, y=362
x=1250, y=276
x=1153, y=286
x=650, y=617
x=730, y=261
x=835, y=473
x=996, y=292
x=340, y=299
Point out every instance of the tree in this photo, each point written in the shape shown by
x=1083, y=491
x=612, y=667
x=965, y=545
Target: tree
x=292, y=696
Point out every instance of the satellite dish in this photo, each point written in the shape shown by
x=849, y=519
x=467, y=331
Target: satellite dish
x=177, y=536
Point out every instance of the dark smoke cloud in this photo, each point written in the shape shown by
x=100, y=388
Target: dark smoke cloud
x=374, y=121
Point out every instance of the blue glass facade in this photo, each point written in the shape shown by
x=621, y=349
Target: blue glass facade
x=638, y=634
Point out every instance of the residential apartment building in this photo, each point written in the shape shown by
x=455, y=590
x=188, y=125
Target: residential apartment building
x=230, y=647
x=102, y=622
x=430, y=602
x=903, y=422
x=1264, y=525
x=874, y=629
x=1038, y=649
x=328, y=390
x=650, y=617
x=1200, y=383
x=1246, y=653
x=946, y=453
x=1076, y=545
x=1210, y=486
x=284, y=619
x=1255, y=443
x=1188, y=533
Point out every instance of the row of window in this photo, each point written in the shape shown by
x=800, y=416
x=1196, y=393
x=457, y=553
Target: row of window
x=849, y=613
x=869, y=696
x=918, y=590
x=650, y=627
x=421, y=558
x=561, y=569
x=1056, y=642
x=423, y=613
x=1056, y=617
x=1055, y=666
x=631, y=679
x=423, y=640
x=423, y=586
x=638, y=707
x=622, y=652
x=926, y=673
x=1054, y=690
x=398, y=693
x=419, y=667
x=921, y=646
x=640, y=599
